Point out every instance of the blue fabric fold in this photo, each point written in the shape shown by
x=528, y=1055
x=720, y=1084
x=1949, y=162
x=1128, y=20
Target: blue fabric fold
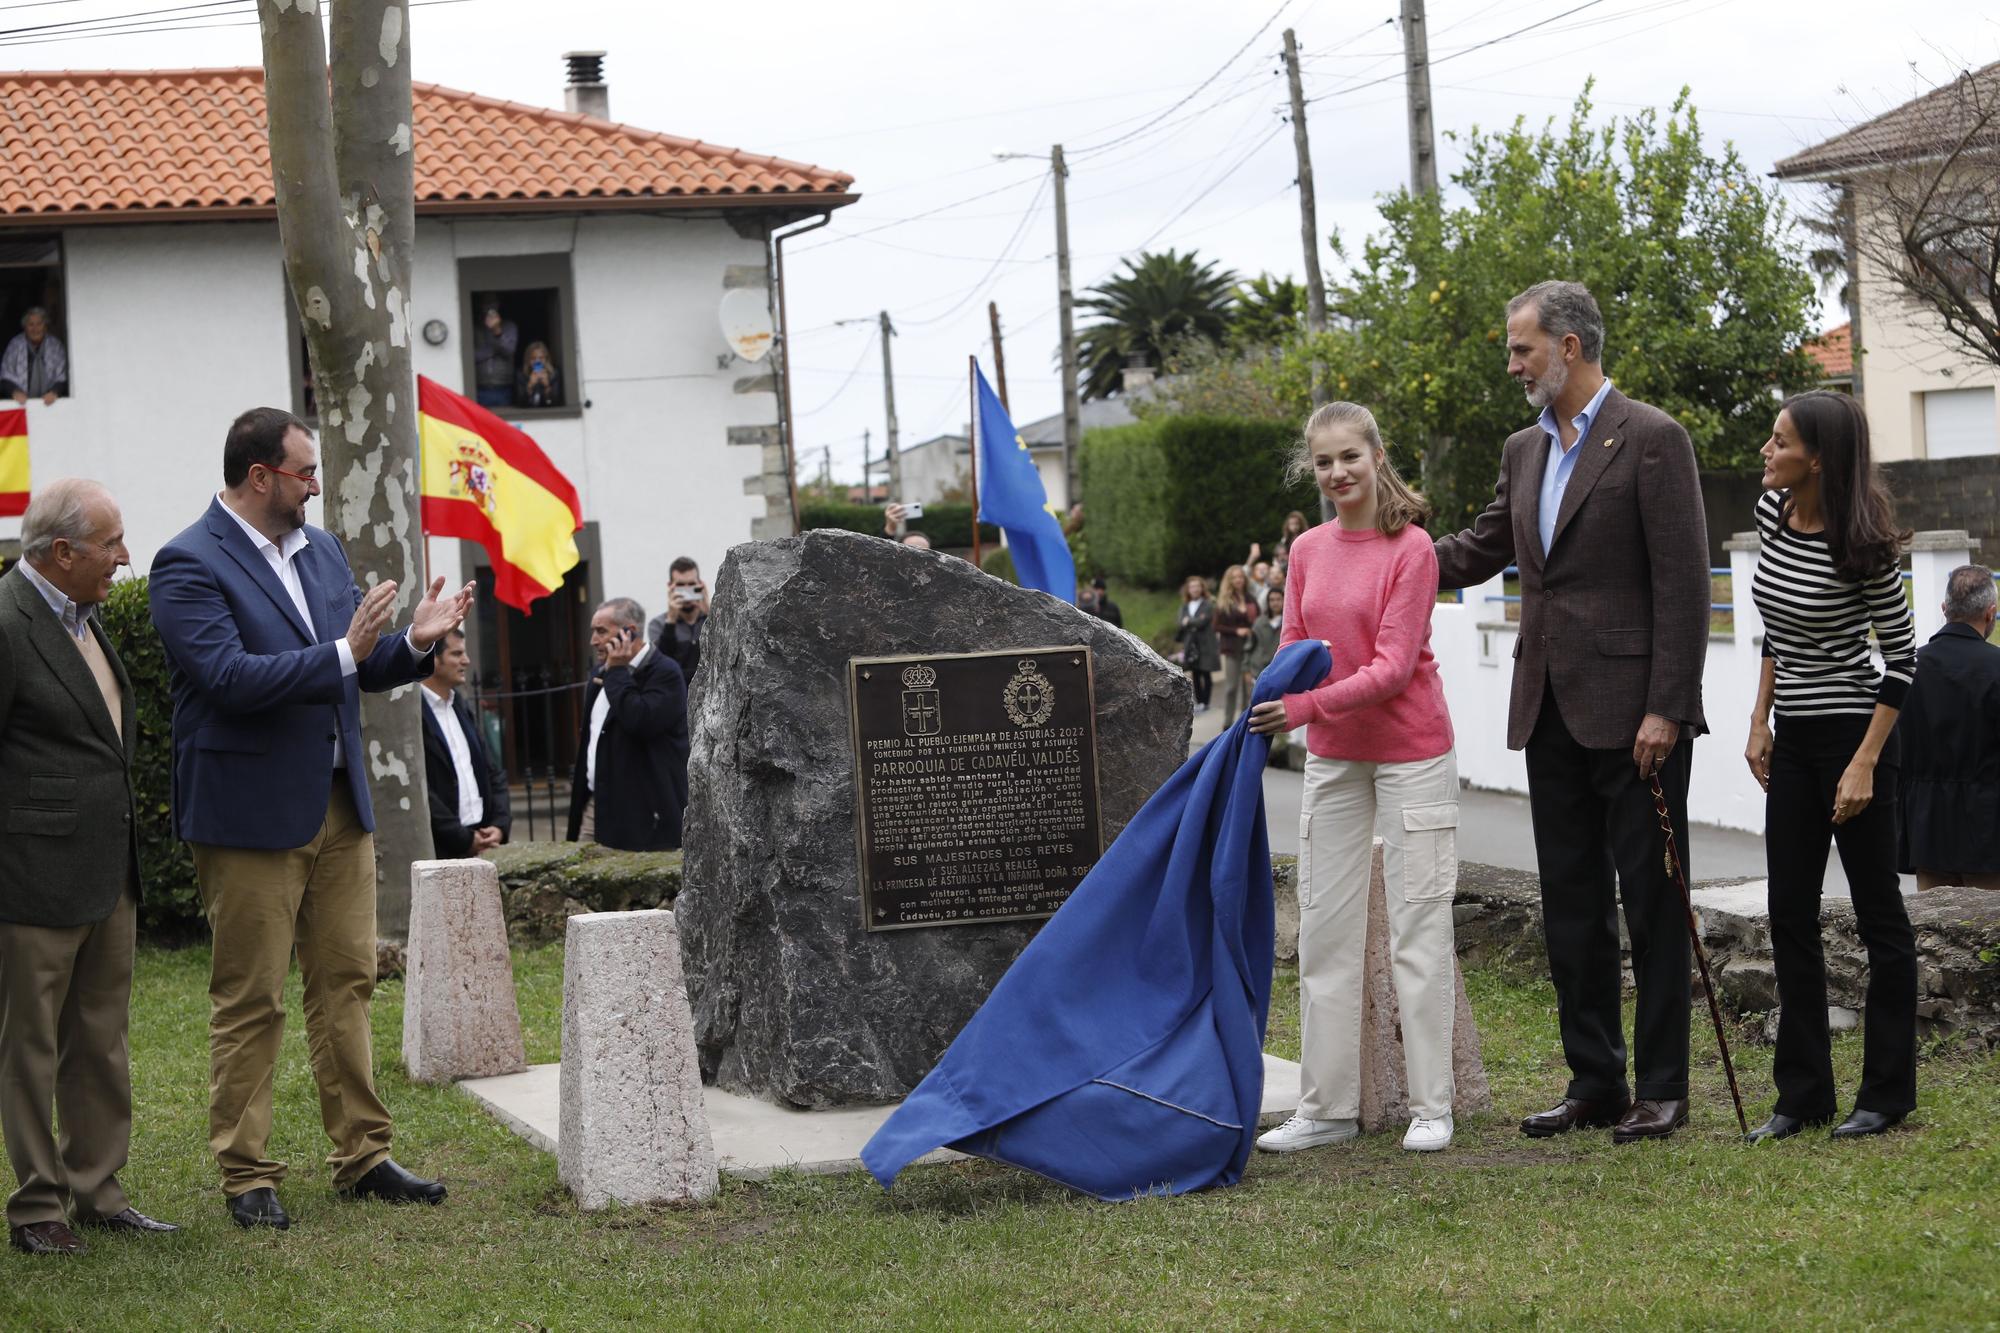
x=1122, y=1053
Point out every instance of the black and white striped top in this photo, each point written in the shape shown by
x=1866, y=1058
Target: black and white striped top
x=1816, y=624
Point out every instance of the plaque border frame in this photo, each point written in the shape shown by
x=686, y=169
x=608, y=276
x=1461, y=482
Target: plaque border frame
x=861, y=879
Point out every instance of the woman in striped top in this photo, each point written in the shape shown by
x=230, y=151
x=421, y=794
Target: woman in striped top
x=1828, y=573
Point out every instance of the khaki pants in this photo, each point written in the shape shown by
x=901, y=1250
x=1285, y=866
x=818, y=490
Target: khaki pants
x=586, y=827
x=65, y=998
x=1413, y=808
x=319, y=898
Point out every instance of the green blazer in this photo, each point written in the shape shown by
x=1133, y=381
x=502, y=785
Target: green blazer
x=72, y=843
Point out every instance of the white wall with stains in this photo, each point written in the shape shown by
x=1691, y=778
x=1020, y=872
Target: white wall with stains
x=174, y=329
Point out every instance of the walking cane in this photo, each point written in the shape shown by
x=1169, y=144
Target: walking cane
x=1673, y=861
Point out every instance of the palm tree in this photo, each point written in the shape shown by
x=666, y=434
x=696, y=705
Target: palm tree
x=1268, y=311
x=1158, y=298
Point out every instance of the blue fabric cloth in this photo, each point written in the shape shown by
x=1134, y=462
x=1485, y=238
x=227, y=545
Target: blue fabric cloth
x=1011, y=494
x=1122, y=1053
x=1561, y=461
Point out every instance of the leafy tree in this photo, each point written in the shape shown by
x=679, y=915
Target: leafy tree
x=1269, y=311
x=1705, y=295
x=1202, y=378
x=1158, y=298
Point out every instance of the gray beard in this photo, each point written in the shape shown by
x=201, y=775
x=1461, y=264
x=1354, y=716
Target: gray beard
x=1550, y=386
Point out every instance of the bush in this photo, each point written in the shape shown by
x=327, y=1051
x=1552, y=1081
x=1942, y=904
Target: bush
x=171, y=908
x=1186, y=494
x=946, y=523
x=999, y=562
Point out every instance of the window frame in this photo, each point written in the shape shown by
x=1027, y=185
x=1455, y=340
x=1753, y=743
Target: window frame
x=505, y=273
x=66, y=334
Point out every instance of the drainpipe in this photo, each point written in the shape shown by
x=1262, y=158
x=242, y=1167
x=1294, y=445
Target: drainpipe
x=778, y=240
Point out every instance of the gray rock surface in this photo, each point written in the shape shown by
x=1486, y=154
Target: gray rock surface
x=793, y=1000
x=632, y=1126
x=460, y=1019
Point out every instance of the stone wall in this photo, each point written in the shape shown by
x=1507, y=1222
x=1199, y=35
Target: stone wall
x=1951, y=493
x=544, y=884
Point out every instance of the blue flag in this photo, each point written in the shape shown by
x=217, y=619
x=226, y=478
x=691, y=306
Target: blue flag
x=1011, y=495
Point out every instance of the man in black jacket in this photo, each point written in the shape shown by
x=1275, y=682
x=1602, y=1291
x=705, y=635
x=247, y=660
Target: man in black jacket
x=677, y=633
x=1950, y=737
x=468, y=788
x=630, y=784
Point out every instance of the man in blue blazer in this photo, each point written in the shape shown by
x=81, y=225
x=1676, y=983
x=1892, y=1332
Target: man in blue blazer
x=270, y=644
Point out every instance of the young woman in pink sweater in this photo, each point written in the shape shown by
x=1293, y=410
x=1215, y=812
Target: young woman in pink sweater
x=1381, y=764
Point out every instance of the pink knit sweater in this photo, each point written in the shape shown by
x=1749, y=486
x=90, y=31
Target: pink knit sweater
x=1370, y=597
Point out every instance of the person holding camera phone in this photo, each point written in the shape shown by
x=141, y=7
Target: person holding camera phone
x=895, y=525
x=677, y=633
x=539, y=383
x=629, y=787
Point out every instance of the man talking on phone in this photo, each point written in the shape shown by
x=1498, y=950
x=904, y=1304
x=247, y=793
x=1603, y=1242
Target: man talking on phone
x=629, y=786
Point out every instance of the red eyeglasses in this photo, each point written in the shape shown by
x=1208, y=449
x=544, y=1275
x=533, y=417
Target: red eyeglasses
x=295, y=476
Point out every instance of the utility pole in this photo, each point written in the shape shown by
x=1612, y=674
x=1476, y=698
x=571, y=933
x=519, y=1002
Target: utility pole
x=1065, y=307
x=867, y=486
x=895, y=479
x=1308, y=218
x=1417, y=85
x=999, y=357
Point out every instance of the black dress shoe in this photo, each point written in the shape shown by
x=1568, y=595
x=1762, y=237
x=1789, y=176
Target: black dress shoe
x=1781, y=1126
x=45, y=1238
x=1573, y=1113
x=1864, y=1123
x=1650, y=1118
x=392, y=1184
x=131, y=1220
x=259, y=1208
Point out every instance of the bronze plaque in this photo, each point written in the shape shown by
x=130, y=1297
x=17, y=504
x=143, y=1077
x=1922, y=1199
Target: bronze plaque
x=975, y=784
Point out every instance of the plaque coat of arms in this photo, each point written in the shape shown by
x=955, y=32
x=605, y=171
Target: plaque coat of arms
x=1029, y=697
x=921, y=715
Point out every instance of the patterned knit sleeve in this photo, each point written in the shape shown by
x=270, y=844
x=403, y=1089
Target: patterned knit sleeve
x=1766, y=517
x=1895, y=634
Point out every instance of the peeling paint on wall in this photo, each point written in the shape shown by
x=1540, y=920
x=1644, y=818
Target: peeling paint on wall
x=400, y=139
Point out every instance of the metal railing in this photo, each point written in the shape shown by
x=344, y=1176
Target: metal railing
x=531, y=726
x=1514, y=598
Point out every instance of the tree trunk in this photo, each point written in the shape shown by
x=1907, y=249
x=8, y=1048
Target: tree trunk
x=340, y=160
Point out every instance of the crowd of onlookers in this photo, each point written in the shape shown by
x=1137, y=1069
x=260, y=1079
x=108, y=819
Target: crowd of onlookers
x=504, y=374
x=1235, y=631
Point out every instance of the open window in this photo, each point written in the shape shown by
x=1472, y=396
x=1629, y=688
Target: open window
x=519, y=353
x=31, y=280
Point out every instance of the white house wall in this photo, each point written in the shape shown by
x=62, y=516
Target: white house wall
x=175, y=329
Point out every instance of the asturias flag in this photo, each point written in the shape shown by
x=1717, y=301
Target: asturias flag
x=486, y=482
x=1011, y=494
x=14, y=461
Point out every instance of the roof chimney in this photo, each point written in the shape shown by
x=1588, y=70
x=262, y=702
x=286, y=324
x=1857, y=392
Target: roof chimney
x=587, y=92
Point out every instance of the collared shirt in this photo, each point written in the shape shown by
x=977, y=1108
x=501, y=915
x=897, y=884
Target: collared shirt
x=75, y=616
x=1562, y=462
x=471, y=809
x=600, y=713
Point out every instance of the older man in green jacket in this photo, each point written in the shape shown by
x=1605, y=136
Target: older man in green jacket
x=69, y=876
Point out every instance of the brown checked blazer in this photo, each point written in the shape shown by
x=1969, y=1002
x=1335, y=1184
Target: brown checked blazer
x=1614, y=617
x=70, y=846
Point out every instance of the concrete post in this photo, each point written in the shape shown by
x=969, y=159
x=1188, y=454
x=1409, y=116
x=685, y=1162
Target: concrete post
x=1743, y=548
x=1933, y=555
x=460, y=1019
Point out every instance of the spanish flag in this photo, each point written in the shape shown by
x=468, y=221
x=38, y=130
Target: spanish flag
x=486, y=482
x=14, y=461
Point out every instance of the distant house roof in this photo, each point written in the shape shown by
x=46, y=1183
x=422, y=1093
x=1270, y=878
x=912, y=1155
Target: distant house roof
x=1911, y=130
x=132, y=145
x=1047, y=433
x=1833, y=352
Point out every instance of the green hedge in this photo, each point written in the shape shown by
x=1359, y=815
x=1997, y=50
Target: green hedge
x=1185, y=495
x=172, y=905
x=946, y=523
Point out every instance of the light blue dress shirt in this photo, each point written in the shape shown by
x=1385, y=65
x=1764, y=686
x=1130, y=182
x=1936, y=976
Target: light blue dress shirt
x=74, y=615
x=1561, y=461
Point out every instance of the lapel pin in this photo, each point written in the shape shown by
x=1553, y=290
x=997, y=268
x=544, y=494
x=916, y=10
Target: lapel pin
x=1609, y=443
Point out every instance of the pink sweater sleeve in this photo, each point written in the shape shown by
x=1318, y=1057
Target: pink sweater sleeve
x=1294, y=627
x=1413, y=589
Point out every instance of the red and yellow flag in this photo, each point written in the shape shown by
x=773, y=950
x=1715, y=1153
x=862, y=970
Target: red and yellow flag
x=486, y=482
x=14, y=461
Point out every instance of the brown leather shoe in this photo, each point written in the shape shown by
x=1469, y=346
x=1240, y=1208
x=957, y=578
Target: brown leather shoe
x=1573, y=1113
x=130, y=1220
x=1650, y=1118
x=45, y=1238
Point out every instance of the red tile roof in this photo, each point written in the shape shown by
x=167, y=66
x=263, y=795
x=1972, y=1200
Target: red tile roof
x=1833, y=351
x=116, y=145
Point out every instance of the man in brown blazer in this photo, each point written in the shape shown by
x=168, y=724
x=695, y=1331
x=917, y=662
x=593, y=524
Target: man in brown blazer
x=69, y=876
x=1599, y=506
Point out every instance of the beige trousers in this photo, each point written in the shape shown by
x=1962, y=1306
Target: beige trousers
x=319, y=899
x=586, y=827
x=1413, y=808
x=65, y=998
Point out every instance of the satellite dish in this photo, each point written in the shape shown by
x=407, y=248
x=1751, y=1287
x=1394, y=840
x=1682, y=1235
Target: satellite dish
x=746, y=322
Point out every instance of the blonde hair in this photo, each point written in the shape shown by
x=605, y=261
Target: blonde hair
x=1396, y=505
x=1241, y=578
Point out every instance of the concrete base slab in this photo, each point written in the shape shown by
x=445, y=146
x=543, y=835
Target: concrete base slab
x=754, y=1138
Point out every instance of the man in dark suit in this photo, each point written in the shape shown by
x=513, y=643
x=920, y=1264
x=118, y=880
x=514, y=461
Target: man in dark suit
x=629, y=788
x=270, y=644
x=468, y=790
x=1950, y=736
x=69, y=876
x=1599, y=505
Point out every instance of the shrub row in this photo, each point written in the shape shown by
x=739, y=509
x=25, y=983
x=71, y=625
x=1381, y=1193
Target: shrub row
x=946, y=523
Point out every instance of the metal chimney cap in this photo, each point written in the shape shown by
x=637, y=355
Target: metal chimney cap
x=586, y=68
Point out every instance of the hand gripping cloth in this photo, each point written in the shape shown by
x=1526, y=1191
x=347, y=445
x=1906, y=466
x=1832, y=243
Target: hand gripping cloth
x=1122, y=1053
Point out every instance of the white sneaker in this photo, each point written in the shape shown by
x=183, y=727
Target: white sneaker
x=1302, y=1132
x=1429, y=1135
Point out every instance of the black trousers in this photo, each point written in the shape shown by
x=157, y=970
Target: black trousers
x=1598, y=839
x=1204, y=685
x=1808, y=756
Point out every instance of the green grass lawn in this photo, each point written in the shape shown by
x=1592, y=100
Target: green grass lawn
x=1499, y=1231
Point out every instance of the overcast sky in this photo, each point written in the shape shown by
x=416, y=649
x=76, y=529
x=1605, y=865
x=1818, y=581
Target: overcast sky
x=913, y=99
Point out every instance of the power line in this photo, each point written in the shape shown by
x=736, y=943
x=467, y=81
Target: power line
x=866, y=347
x=1006, y=252
x=134, y=25
x=1464, y=50
x=929, y=212
x=1092, y=150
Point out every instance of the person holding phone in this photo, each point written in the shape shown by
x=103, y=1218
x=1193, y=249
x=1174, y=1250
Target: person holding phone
x=629, y=787
x=677, y=632
x=539, y=383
